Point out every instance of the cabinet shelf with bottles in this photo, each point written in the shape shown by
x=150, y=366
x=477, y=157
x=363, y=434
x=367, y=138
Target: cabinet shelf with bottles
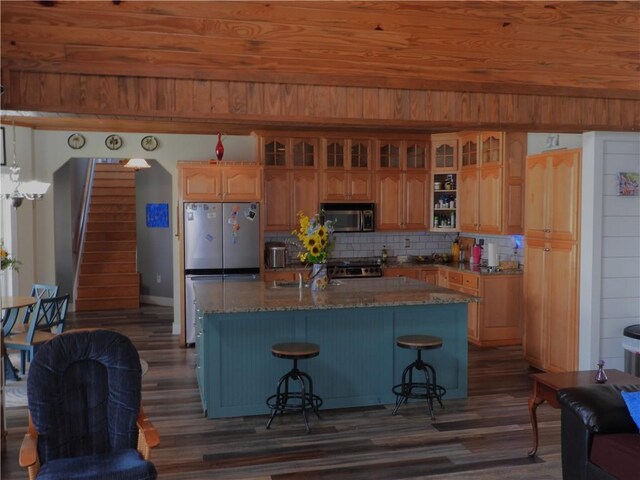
x=444, y=205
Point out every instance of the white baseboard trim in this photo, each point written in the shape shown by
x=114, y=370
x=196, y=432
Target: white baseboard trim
x=152, y=300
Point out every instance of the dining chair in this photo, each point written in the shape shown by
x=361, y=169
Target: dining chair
x=46, y=322
x=86, y=421
x=38, y=291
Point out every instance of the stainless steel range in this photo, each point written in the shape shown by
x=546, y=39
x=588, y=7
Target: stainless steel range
x=354, y=268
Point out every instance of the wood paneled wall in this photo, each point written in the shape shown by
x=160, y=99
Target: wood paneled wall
x=264, y=105
x=412, y=65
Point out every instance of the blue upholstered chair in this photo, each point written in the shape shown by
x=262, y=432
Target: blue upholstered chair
x=85, y=419
x=47, y=321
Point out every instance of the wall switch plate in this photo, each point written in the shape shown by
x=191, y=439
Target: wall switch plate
x=407, y=243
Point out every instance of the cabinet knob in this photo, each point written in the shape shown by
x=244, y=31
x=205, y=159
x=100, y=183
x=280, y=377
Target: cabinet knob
x=547, y=249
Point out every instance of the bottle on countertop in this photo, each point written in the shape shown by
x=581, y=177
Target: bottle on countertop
x=455, y=250
x=384, y=254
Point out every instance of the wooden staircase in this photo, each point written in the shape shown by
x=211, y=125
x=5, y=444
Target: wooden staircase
x=108, y=277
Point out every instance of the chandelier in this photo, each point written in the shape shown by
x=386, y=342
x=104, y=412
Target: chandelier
x=15, y=190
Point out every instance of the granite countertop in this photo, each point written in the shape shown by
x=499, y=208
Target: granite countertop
x=237, y=297
x=391, y=263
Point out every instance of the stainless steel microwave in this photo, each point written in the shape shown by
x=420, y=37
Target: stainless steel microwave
x=350, y=217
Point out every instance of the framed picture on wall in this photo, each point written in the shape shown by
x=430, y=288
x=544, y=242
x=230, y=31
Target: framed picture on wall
x=628, y=184
x=3, y=150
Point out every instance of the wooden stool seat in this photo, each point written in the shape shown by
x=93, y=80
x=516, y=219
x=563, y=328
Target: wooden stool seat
x=419, y=342
x=295, y=350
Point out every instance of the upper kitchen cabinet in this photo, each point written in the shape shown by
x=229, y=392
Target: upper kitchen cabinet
x=346, y=172
x=291, y=180
x=289, y=152
x=444, y=152
x=553, y=195
x=491, y=185
x=274, y=151
x=204, y=182
x=402, y=185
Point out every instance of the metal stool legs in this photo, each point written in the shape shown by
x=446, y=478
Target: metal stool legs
x=286, y=401
x=427, y=390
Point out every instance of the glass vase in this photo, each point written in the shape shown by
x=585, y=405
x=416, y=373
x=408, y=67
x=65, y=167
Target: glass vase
x=319, y=276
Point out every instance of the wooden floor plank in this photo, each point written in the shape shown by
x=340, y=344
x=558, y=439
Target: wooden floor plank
x=485, y=436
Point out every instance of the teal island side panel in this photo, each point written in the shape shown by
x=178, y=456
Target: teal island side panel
x=358, y=363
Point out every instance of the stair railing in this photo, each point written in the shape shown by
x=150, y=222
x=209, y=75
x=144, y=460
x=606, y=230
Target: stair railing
x=81, y=226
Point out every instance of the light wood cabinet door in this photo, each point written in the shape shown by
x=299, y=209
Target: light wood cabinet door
x=277, y=198
x=551, y=304
x=416, y=188
x=500, y=312
x=444, y=152
x=407, y=272
x=335, y=185
x=443, y=280
x=304, y=188
x=534, y=293
x=553, y=195
x=390, y=201
x=429, y=275
x=360, y=186
x=536, y=178
x=274, y=151
x=563, y=214
x=201, y=183
x=491, y=148
x=277, y=276
x=561, y=307
x=490, y=200
x=468, y=200
x=242, y=184
x=469, y=150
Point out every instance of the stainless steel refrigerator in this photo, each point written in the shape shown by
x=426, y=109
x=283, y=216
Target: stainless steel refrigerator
x=221, y=243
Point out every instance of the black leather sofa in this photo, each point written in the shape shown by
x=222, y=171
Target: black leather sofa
x=600, y=440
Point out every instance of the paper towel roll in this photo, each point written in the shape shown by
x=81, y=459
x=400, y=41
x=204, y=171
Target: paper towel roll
x=492, y=255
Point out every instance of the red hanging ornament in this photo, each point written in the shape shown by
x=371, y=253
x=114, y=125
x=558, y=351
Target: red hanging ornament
x=219, y=147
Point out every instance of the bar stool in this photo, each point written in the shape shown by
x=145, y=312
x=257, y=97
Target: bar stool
x=428, y=389
x=299, y=401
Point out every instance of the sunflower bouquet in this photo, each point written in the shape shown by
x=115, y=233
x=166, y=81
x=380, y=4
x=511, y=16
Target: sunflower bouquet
x=315, y=237
x=8, y=262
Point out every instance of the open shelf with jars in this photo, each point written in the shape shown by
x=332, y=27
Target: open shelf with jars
x=444, y=203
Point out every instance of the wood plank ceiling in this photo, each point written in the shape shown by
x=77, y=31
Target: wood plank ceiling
x=412, y=66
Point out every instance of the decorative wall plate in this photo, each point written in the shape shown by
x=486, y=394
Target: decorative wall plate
x=76, y=141
x=113, y=142
x=149, y=143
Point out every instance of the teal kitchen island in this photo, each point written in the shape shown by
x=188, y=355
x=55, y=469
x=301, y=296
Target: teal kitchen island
x=355, y=323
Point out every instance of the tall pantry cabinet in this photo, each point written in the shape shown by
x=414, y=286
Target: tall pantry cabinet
x=552, y=248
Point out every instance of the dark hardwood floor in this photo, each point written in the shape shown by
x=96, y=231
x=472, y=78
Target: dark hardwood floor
x=485, y=436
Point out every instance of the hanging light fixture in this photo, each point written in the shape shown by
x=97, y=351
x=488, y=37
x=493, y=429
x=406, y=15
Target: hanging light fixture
x=136, y=164
x=15, y=190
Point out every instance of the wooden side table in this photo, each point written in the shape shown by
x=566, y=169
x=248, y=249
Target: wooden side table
x=546, y=385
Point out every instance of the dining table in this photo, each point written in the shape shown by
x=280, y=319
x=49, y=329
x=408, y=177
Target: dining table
x=11, y=306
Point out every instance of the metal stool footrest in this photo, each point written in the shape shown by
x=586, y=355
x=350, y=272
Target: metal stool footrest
x=427, y=390
x=297, y=401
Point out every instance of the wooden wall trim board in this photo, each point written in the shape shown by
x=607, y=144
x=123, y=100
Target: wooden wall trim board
x=251, y=106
